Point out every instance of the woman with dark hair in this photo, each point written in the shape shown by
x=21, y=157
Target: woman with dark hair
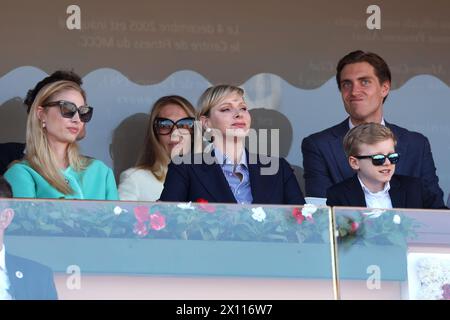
x=169, y=131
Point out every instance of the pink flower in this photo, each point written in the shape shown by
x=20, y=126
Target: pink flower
x=140, y=229
x=204, y=206
x=297, y=214
x=354, y=226
x=157, y=221
x=141, y=213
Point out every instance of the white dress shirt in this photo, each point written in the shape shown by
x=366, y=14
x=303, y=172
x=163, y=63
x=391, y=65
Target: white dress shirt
x=380, y=199
x=4, y=280
x=351, y=125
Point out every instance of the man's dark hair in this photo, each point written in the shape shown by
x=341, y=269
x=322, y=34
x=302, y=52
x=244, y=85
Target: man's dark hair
x=55, y=76
x=381, y=68
x=5, y=188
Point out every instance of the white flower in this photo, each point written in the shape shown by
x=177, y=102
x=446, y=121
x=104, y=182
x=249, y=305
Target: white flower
x=397, y=219
x=374, y=213
x=186, y=206
x=258, y=214
x=308, y=210
x=118, y=210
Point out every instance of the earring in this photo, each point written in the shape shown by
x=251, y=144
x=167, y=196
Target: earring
x=211, y=138
x=43, y=124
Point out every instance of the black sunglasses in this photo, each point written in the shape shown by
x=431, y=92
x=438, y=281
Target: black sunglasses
x=69, y=109
x=164, y=126
x=378, y=159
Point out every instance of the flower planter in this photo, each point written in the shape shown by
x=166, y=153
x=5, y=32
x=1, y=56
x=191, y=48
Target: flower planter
x=207, y=258
x=177, y=257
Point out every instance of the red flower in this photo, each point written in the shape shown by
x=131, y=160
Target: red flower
x=140, y=229
x=354, y=226
x=204, y=206
x=297, y=214
x=141, y=213
x=157, y=221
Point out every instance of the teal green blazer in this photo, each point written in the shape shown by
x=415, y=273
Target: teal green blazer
x=96, y=182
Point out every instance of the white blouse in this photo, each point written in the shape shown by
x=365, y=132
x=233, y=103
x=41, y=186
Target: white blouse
x=139, y=185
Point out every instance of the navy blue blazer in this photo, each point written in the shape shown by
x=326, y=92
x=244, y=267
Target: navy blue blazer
x=8, y=153
x=189, y=182
x=325, y=163
x=405, y=192
x=29, y=280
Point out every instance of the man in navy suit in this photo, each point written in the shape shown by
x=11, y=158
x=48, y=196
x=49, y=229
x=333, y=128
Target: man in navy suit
x=364, y=80
x=370, y=149
x=20, y=278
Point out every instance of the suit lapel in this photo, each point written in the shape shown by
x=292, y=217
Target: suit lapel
x=212, y=178
x=397, y=194
x=355, y=193
x=17, y=285
x=401, y=148
x=338, y=149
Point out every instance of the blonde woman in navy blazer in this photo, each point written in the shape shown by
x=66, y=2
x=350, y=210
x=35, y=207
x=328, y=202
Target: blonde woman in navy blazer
x=228, y=173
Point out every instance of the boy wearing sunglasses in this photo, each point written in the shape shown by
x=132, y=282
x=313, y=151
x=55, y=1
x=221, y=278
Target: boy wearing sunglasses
x=370, y=150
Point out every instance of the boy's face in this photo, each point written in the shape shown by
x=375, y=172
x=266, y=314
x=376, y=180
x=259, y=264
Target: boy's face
x=371, y=175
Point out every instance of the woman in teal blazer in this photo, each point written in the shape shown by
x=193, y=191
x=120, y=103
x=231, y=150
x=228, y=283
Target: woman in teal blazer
x=53, y=166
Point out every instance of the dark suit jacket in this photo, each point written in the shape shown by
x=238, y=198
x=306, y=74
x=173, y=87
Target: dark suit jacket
x=8, y=153
x=325, y=163
x=189, y=182
x=405, y=192
x=29, y=280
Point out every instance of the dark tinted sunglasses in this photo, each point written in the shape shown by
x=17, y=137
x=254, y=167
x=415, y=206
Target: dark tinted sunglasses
x=68, y=110
x=378, y=159
x=165, y=126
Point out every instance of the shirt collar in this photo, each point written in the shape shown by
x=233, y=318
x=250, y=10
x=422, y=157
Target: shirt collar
x=387, y=187
x=2, y=258
x=224, y=159
x=351, y=125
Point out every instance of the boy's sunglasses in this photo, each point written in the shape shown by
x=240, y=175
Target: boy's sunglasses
x=164, y=126
x=378, y=159
x=69, y=109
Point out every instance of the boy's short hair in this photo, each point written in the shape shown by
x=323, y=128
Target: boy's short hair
x=5, y=188
x=367, y=133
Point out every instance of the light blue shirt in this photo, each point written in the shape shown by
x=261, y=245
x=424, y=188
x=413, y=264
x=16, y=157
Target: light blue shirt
x=241, y=189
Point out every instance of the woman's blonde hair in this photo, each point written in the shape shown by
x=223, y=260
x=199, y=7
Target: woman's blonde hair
x=38, y=152
x=154, y=155
x=213, y=96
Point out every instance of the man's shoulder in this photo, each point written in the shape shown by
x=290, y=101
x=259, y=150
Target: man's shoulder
x=336, y=130
x=405, y=133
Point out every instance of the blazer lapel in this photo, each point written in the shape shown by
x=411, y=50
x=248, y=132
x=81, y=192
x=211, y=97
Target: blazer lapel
x=212, y=178
x=338, y=149
x=355, y=193
x=398, y=195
